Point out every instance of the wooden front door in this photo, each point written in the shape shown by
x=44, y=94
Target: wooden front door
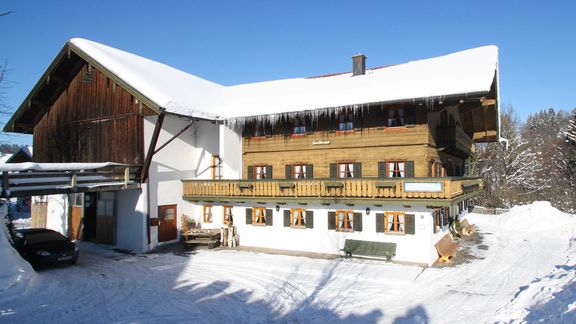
x=167, y=223
x=76, y=214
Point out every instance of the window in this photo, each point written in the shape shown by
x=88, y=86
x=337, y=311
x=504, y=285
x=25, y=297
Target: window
x=299, y=171
x=216, y=167
x=396, y=169
x=345, y=121
x=344, y=220
x=297, y=217
x=345, y=170
x=395, y=117
x=260, y=172
x=299, y=127
x=395, y=222
x=259, y=216
x=228, y=218
x=207, y=214
x=77, y=199
x=441, y=218
x=260, y=129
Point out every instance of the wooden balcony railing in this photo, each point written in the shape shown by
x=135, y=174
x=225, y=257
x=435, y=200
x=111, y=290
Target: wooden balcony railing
x=366, y=188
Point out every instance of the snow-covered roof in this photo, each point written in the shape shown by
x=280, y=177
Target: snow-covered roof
x=465, y=72
x=167, y=87
x=27, y=166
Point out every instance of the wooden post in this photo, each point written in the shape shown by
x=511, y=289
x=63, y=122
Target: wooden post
x=74, y=182
x=5, y=184
x=126, y=177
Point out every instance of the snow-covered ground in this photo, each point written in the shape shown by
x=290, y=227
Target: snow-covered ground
x=524, y=271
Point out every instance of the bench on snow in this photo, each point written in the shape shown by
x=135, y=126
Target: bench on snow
x=446, y=248
x=466, y=228
x=370, y=248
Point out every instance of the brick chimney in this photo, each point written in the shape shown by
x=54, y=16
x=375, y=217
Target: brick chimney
x=358, y=64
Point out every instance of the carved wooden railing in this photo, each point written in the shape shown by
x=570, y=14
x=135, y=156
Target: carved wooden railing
x=404, y=188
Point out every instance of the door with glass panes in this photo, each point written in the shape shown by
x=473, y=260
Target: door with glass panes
x=167, y=223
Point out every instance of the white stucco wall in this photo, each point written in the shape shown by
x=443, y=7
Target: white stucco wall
x=231, y=153
x=189, y=156
x=418, y=248
x=57, y=213
x=131, y=213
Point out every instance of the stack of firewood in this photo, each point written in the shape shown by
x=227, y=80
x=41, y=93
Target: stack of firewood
x=229, y=236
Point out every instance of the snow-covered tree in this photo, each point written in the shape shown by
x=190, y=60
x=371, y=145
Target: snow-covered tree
x=509, y=170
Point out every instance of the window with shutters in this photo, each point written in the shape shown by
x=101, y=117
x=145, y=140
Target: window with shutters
x=345, y=170
x=346, y=121
x=228, y=218
x=394, y=222
x=207, y=214
x=299, y=171
x=396, y=169
x=260, y=172
x=297, y=217
x=344, y=219
x=259, y=216
x=298, y=127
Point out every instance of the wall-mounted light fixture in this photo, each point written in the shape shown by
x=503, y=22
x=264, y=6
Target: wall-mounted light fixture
x=277, y=208
x=367, y=210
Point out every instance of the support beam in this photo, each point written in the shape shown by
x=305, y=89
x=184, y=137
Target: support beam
x=152, y=146
x=175, y=136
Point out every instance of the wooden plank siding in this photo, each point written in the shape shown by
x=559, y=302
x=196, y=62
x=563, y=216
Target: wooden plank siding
x=369, y=143
x=93, y=120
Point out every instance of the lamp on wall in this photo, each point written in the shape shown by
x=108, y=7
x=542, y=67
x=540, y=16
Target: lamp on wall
x=277, y=208
x=367, y=210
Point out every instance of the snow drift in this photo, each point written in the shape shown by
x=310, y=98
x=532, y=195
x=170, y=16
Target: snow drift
x=13, y=269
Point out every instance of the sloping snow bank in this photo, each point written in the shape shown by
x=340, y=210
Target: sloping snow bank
x=550, y=298
x=13, y=269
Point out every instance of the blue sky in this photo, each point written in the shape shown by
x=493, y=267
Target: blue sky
x=231, y=42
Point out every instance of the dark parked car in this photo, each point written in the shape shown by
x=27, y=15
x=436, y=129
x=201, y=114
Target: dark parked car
x=42, y=247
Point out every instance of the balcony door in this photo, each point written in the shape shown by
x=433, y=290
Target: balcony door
x=167, y=223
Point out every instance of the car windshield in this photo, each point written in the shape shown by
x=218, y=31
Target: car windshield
x=34, y=238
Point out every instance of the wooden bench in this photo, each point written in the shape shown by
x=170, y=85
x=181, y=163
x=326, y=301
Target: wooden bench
x=370, y=248
x=446, y=248
x=466, y=228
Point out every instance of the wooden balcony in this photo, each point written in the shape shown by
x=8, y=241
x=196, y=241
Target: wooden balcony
x=423, y=191
x=454, y=140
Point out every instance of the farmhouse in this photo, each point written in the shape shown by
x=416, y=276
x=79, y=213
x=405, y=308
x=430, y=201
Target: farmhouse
x=376, y=154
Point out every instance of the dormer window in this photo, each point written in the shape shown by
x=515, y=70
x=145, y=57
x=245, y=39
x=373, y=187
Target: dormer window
x=345, y=121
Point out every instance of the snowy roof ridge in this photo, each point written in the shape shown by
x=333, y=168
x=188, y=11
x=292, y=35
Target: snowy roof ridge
x=459, y=73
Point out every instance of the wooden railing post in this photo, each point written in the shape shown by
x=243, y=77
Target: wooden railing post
x=126, y=177
x=74, y=182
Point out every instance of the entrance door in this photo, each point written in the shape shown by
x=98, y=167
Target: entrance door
x=167, y=223
x=77, y=211
x=105, y=219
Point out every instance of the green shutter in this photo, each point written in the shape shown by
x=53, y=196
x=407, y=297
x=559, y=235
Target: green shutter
x=309, y=219
x=309, y=171
x=382, y=169
x=248, y=216
x=379, y=223
x=269, y=172
x=333, y=170
x=250, y=172
x=357, y=170
x=286, y=218
x=269, y=217
x=309, y=126
x=288, y=172
x=410, y=116
x=430, y=165
x=409, y=169
x=268, y=130
x=331, y=220
x=357, y=222
x=410, y=220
